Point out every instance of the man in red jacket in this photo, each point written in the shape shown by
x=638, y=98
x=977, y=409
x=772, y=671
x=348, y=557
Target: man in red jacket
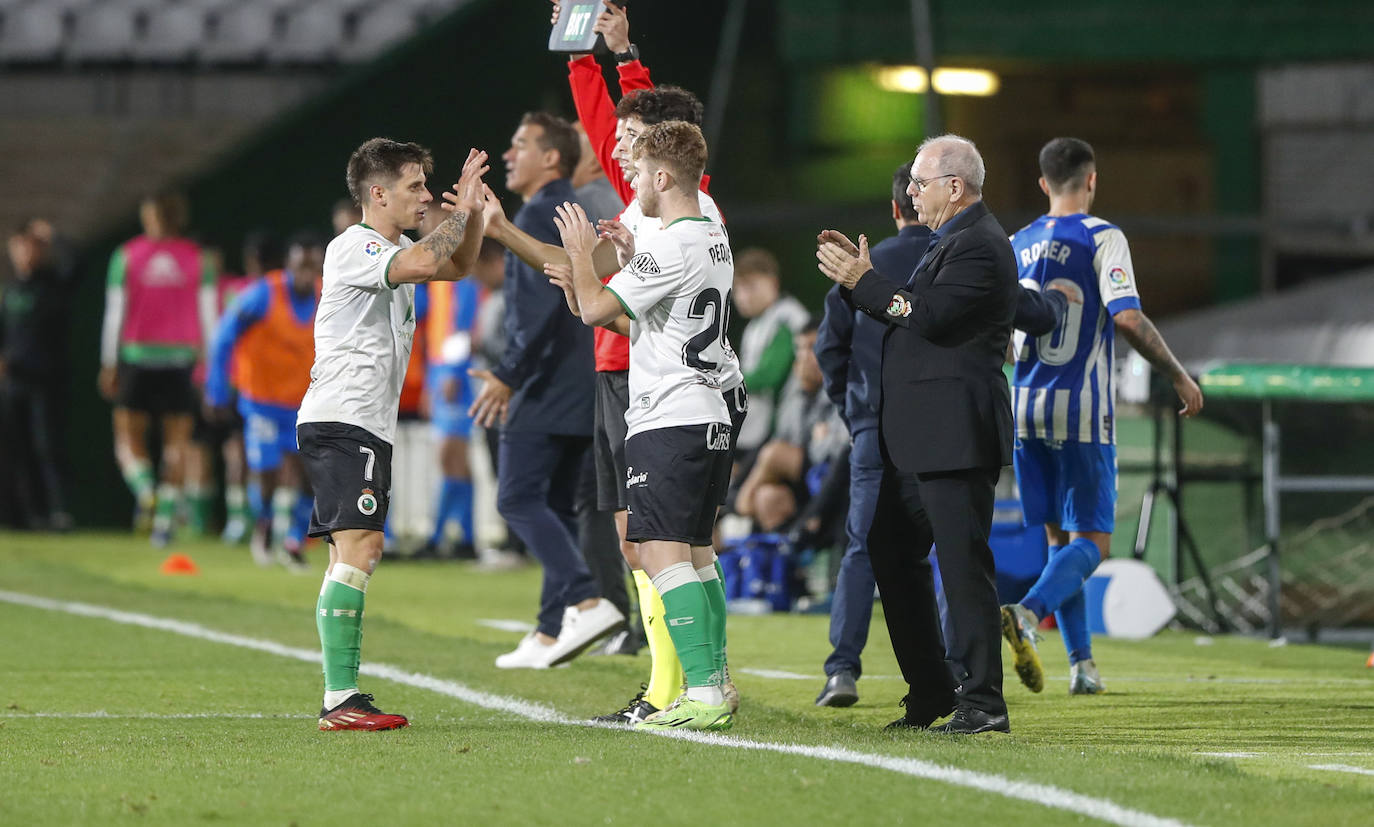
x=611, y=130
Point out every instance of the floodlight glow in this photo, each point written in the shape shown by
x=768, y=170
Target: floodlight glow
x=979, y=82
x=912, y=80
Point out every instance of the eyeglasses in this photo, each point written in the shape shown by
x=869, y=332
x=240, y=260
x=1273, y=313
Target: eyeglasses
x=921, y=185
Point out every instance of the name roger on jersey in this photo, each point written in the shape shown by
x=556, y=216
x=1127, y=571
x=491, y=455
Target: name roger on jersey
x=1054, y=250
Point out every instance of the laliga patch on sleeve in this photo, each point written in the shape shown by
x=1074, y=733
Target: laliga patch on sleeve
x=373, y=248
x=644, y=264
x=1120, y=281
x=899, y=307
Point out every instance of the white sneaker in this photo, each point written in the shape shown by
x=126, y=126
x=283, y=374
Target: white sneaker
x=530, y=654
x=581, y=628
x=1084, y=679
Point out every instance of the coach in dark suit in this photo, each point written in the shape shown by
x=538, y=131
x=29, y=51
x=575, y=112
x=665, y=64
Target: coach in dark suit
x=946, y=432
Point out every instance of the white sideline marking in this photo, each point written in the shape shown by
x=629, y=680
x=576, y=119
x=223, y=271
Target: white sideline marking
x=1043, y=794
x=506, y=625
x=149, y=716
x=778, y=674
x=1341, y=768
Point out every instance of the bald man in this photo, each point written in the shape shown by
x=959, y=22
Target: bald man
x=946, y=432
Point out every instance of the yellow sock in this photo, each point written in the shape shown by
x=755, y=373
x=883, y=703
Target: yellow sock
x=665, y=672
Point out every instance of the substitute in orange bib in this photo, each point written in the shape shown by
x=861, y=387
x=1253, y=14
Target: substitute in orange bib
x=268, y=332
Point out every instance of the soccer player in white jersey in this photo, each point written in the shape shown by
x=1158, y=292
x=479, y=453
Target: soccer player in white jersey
x=678, y=448
x=1063, y=402
x=347, y=421
x=635, y=113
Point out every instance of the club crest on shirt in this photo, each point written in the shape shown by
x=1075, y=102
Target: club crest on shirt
x=899, y=307
x=1119, y=280
x=644, y=263
x=373, y=248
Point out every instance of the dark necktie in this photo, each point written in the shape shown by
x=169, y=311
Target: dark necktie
x=934, y=242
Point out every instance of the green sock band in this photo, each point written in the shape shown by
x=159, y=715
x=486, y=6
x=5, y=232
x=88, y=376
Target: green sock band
x=687, y=614
x=139, y=477
x=715, y=603
x=168, y=501
x=720, y=581
x=339, y=619
x=198, y=510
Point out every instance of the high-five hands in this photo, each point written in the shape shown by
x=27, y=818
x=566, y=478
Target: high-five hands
x=840, y=260
x=467, y=193
x=579, y=237
x=620, y=236
x=494, y=214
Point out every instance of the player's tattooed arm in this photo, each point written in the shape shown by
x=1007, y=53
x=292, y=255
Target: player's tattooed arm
x=449, y=251
x=1142, y=335
x=466, y=199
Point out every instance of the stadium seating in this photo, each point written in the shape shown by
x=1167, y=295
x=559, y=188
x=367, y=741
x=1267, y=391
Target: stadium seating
x=32, y=33
x=209, y=32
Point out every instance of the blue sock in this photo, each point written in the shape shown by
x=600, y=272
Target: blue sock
x=1063, y=577
x=257, y=503
x=300, y=517
x=444, y=511
x=462, y=509
x=1072, y=618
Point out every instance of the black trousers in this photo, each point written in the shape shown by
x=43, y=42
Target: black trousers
x=952, y=510
x=31, y=416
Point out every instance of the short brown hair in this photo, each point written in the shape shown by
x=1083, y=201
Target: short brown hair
x=660, y=104
x=381, y=159
x=558, y=134
x=678, y=145
x=756, y=261
x=172, y=210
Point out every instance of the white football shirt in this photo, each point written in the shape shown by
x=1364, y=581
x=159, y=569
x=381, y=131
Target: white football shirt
x=644, y=229
x=675, y=292
x=363, y=332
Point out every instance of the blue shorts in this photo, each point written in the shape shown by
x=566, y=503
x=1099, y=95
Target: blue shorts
x=268, y=432
x=1072, y=484
x=450, y=417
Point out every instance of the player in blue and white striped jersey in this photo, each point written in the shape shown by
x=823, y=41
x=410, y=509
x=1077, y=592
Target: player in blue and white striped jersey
x=1064, y=404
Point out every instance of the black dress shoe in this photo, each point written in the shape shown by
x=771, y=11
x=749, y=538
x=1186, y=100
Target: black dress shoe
x=918, y=719
x=841, y=689
x=970, y=721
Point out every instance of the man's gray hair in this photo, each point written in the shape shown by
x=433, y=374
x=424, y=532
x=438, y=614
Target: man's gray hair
x=957, y=156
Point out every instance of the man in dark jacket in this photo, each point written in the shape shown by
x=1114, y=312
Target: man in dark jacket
x=34, y=312
x=849, y=348
x=542, y=394
x=946, y=432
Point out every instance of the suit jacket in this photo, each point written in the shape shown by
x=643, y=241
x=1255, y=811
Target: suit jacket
x=548, y=359
x=946, y=405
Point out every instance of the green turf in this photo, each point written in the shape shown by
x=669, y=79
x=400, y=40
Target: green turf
x=1139, y=746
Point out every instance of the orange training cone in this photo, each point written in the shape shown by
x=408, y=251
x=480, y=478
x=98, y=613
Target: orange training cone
x=1370, y=662
x=179, y=564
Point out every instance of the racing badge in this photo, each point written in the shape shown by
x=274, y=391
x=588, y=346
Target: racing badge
x=367, y=503
x=899, y=307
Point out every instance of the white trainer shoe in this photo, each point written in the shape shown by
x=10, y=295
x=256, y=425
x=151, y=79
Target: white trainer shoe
x=1084, y=679
x=530, y=654
x=582, y=628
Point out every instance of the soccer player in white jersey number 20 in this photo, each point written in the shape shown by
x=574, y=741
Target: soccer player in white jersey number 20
x=678, y=446
x=347, y=421
x=1065, y=444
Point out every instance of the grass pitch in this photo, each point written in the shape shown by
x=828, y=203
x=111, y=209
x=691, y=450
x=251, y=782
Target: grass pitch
x=104, y=722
